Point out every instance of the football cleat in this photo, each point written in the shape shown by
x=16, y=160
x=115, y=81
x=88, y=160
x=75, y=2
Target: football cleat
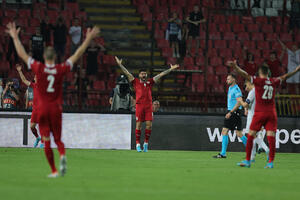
x=219, y=156
x=269, y=165
x=138, y=148
x=53, y=175
x=245, y=163
x=42, y=145
x=63, y=165
x=36, y=143
x=145, y=147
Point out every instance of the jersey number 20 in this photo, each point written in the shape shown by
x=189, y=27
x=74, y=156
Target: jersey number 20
x=51, y=80
x=268, y=93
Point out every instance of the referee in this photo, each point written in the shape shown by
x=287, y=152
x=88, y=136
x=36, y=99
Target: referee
x=233, y=120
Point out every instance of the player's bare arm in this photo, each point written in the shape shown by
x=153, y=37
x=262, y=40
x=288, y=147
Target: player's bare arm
x=125, y=71
x=284, y=47
x=26, y=103
x=290, y=74
x=241, y=72
x=24, y=80
x=14, y=34
x=243, y=103
x=235, y=108
x=90, y=35
x=162, y=74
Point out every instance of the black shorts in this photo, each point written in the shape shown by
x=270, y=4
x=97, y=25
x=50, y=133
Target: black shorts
x=194, y=31
x=234, y=122
x=173, y=37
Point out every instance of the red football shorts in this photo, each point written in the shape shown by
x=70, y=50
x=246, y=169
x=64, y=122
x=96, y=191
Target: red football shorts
x=34, y=116
x=50, y=120
x=143, y=112
x=266, y=119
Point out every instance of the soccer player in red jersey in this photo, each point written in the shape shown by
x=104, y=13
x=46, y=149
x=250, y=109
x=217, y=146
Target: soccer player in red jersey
x=49, y=91
x=265, y=110
x=142, y=87
x=32, y=102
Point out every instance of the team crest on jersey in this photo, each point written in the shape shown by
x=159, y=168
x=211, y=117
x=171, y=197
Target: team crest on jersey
x=268, y=82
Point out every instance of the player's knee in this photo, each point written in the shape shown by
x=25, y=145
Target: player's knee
x=46, y=139
x=138, y=125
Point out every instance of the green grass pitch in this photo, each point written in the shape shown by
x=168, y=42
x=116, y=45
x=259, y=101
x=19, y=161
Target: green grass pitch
x=112, y=174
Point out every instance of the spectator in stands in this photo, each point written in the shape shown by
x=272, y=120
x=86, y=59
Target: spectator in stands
x=37, y=44
x=274, y=63
x=156, y=106
x=249, y=64
x=46, y=30
x=75, y=33
x=174, y=33
x=195, y=19
x=60, y=38
x=92, y=57
x=1, y=91
x=293, y=62
x=295, y=16
x=10, y=96
x=184, y=38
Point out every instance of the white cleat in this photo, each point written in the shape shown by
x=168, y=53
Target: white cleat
x=63, y=165
x=53, y=175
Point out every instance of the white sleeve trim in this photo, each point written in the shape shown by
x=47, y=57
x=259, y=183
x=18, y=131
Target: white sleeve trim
x=30, y=61
x=70, y=63
x=251, y=79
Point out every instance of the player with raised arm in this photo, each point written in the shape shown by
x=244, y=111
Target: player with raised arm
x=49, y=91
x=265, y=110
x=249, y=105
x=233, y=117
x=31, y=102
x=142, y=87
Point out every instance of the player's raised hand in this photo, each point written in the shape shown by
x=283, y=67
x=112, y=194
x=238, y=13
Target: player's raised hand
x=173, y=67
x=92, y=32
x=231, y=63
x=119, y=61
x=19, y=67
x=12, y=30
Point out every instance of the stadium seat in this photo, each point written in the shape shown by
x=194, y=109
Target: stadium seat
x=255, y=12
x=188, y=61
x=271, y=37
x=261, y=20
x=212, y=52
x=229, y=36
x=109, y=60
x=233, y=19
x=271, y=12
x=243, y=36
x=214, y=35
x=220, y=44
x=224, y=28
x=258, y=36
x=215, y=61
x=171, y=60
x=234, y=44
x=253, y=28
x=159, y=34
x=162, y=43
x=167, y=52
x=219, y=19
x=267, y=28
x=10, y=13
x=285, y=37
x=24, y=13
x=99, y=85
x=200, y=61
x=225, y=53
x=72, y=6
x=238, y=28
x=263, y=45
x=249, y=44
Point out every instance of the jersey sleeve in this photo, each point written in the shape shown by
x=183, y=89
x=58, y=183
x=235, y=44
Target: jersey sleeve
x=250, y=97
x=134, y=82
x=151, y=80
x=33, y=64
x=67, y=66
x=238, y=93
x=277, y=81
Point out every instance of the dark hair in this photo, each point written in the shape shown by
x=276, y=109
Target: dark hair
x=142, y=70
x=249, y=53
x=264, y=70
x=232, y=75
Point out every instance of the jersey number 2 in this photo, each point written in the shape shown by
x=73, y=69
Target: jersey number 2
x=51, y=80
x=268, y=93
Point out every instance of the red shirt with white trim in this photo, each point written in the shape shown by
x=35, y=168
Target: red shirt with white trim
x=49, y=80
x=143, y=91
x=265, y=93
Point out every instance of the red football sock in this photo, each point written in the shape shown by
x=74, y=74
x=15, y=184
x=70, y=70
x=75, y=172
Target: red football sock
x=137, y=136
x=271, y=140
x=34, y=132
x=249, y=146
x=147, y=135
x=49, y=156
x=60, y=147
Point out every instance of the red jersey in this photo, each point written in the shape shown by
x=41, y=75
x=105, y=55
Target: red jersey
x=274, y=67
x=265, y=93
x=49, y=79
x=250, y=68
x=143, y=91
